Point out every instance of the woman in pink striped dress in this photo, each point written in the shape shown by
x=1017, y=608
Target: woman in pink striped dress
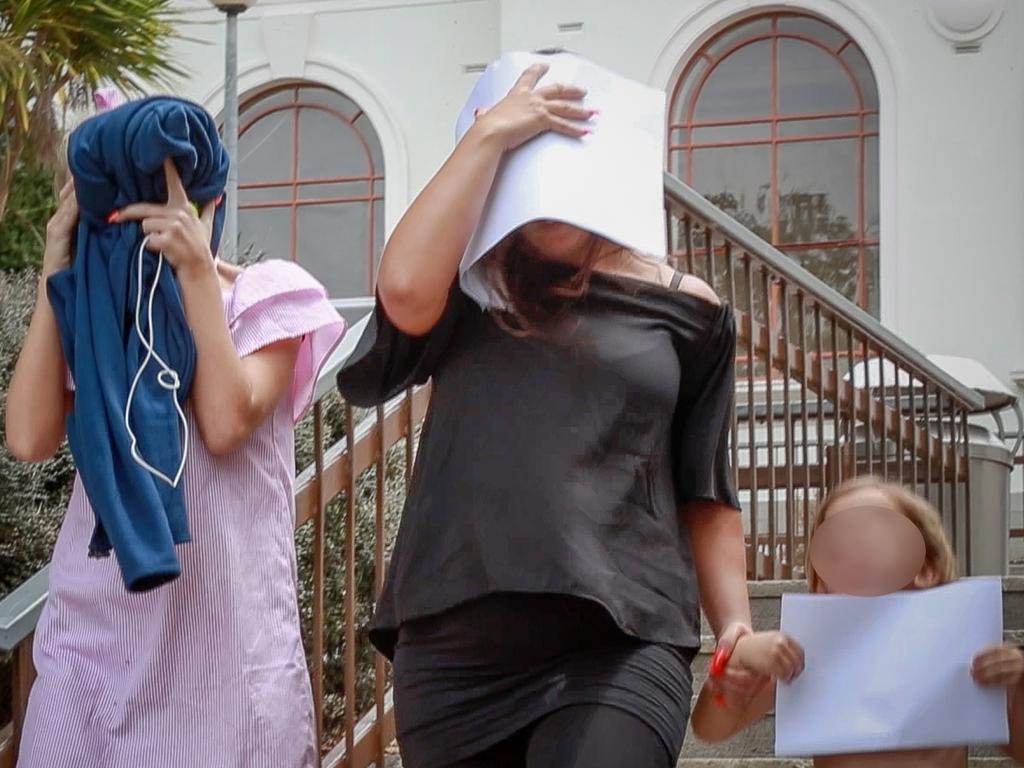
x=207, y=671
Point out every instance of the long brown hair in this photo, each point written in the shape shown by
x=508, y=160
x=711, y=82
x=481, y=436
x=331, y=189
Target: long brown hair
x=938, y=552
x=537, y=292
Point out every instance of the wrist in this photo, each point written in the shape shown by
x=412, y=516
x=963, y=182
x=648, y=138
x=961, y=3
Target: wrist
x=196, y=270
x=49, y=270
x=739, y=626
x=42, y=294
x=484, y=135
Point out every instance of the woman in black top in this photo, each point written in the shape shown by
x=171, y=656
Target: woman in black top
x=572, y=485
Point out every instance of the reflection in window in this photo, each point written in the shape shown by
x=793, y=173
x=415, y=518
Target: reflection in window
x=311, y=185
x=775, y=120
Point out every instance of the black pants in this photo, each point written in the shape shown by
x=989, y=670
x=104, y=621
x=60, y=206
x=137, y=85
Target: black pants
x=579, y=736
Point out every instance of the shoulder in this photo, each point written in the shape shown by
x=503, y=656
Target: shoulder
x=717, y=323
x=694, y=286
x=229, y=272
x=272, y=279
x=286, y=274
x=279, y=288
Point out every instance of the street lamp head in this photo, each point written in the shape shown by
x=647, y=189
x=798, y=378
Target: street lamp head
x=233, y=6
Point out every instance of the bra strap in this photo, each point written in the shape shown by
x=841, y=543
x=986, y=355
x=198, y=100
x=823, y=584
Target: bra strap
x=677, y=277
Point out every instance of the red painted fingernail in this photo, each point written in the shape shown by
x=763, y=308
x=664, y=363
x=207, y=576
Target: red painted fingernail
x=718, y=662
x=114, y=217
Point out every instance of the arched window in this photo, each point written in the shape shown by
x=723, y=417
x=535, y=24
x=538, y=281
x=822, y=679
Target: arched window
x=775, y=120
x=311, y=185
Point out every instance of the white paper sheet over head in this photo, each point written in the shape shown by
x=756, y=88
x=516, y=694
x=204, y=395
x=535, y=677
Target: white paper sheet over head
x=609, y=182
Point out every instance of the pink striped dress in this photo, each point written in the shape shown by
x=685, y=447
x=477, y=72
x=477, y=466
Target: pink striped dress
x=207, y=671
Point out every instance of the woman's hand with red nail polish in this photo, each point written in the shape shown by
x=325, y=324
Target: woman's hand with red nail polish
x=718, y=663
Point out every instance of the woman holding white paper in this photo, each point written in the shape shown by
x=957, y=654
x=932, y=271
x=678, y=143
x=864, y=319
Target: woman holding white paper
x=572, y=481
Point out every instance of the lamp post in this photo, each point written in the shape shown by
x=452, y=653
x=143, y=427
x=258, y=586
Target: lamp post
x=231, y=10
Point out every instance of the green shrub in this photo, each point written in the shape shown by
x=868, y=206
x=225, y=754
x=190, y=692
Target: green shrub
x=29, y=207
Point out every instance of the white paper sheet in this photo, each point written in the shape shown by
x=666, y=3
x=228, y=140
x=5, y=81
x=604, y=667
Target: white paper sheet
x=609, y=182
x=891, y=672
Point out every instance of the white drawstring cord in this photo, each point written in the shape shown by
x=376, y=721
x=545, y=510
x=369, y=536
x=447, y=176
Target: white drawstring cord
x=168, y=378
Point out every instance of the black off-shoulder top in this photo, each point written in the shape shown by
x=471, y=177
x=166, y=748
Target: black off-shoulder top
x=559, y=465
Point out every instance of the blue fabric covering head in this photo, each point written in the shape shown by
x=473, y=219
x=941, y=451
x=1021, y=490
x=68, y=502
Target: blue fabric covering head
x=123, y=329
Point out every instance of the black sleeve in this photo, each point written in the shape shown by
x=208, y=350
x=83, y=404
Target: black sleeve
x=704, y=417
x=387, y=361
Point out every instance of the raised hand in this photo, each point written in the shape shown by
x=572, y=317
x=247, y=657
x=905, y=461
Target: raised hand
x=175, y=229
x=528, y=111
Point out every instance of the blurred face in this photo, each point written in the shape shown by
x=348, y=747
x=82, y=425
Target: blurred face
x=557, y=241
x=866, y=547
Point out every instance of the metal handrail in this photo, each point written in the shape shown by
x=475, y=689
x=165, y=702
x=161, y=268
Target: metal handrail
x=20, y=610
x=682, y=195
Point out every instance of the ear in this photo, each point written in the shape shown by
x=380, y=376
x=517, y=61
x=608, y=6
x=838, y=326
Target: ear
x=927, y=577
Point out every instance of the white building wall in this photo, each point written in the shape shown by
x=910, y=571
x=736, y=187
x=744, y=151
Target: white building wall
x=952, y=125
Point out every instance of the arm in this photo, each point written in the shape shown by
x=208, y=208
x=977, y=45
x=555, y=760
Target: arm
x=719, y=547
x=422, y=255
x=773, y=655
x=719, y=553
x=714, y=722
x=231, y=396
x=37, y=399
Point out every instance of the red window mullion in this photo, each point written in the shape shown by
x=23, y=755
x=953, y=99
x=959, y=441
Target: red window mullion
x=688, y=145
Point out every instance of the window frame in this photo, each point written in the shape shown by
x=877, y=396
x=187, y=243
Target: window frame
x=680, y=132
x=374, y=177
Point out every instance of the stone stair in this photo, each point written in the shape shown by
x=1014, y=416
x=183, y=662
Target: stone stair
x=755, y=745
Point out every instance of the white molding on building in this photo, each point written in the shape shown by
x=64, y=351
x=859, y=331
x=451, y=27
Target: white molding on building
x=358, y=86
